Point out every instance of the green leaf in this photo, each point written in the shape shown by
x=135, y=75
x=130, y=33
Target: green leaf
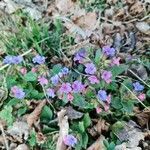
x=32, y=139
x=81, y=127
x=80, y=102
x=116, y=70
x=86, y=120
x=22, y=111
x=13, y=102
x=116, y=103
x=30, y=76
x=85, y=138
x=128, y=106
x=46, y=113
x=56, y=69
x=6, y=114
x=98, y=56
x=148, y=93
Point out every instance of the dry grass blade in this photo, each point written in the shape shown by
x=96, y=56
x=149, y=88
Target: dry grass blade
x=63, y=131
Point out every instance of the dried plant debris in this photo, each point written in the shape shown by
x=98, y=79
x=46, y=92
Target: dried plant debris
x=34, y=116
x=63, y=129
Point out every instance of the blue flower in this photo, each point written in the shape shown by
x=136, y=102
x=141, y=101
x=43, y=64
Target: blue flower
x=138, y=87
x=70, y=140
x=8, y=59
x=55, y=79
x=102, y=95
x=38, y=59
x=65, y=71
x=17, y=59
x=17, y=92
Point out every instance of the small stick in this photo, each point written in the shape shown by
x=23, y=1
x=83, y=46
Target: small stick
x=5, y=140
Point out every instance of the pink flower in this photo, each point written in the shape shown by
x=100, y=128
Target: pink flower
x=108, y=100
x=115, y=61
x=34, y=69
x=70, y=97
x=23, y=70
x=77, y=86
x=98, y=110
x=93, y=79
x=65, y=88
x=106, y=76
x=142, y=96
x=42, y=80
x=106, y=107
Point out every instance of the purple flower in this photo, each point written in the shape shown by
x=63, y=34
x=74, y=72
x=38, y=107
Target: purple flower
x=17, y=59
x=50, y=92
x=106, y=76
x=55, y=79
x=65, y=71
x=17, y=92
x=42, y=80
x=77, y=86
x=138, y=87
x=93, y=79
x=65, y=88
x=90, y=68
x=102, y=95
x=80, y=55
x=108, y=51
x=116, y=61
x=8, y=59
x=38, y=59
x=70, y=140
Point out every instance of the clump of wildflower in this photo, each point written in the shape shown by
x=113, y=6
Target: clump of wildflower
x=70, y=140
x=50, y=92
x=77, y=86
x=116, y=61
x=138, y=87
x=106, y=76
x=54, y=79
x=102, y=95
x=17, y=92
x=80, y=55
x=65, y=88
x=90, y=68
x=108, y=51
x=142, y=96
x=93, y=79
x=23, y=70
x=65, y=71
x=42, y=80
x=38, y=59
x=12, y=59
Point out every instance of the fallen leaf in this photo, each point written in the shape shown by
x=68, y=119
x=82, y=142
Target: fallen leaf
x=100, y=126
x=63, y=129
x=143, y=27
x=143, y=117
x=72, y=113
x=22, y=147
x=40, y=138
x=19, y=131
x=98, y=144
x=64, y=5
x=34, y=116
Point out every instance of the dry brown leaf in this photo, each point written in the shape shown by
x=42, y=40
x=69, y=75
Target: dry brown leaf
x=34, y=116
x=63, y=129
x=98, y=145
x=143, y=117
x=40, y=138
x=65, y=5
x=22, y=147
x=97, y=129
x=87, y=21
